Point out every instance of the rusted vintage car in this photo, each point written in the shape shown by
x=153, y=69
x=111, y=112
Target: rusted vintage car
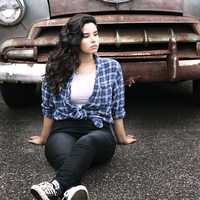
x=157, y=40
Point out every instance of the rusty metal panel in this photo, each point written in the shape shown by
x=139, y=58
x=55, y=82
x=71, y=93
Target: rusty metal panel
x=158, y=72
x=122, y=19
x=64, y=7
x=145, y=36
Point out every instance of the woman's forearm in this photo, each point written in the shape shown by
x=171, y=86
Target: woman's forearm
x=119, y=130
x=120, y=133
x=46, y=129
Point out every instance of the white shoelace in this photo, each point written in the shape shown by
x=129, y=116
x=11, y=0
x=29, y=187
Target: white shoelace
x=48, y=188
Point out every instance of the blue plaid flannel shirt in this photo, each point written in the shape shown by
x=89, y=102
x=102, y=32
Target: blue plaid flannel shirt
x=105, y=104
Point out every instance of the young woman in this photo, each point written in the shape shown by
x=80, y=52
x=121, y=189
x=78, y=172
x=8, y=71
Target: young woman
x=83, y=95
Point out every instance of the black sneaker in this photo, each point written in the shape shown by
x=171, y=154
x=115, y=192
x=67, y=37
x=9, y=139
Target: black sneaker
x=76, y=193
x=46, y=191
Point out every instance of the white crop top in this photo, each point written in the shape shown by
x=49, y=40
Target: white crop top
x=82, y=86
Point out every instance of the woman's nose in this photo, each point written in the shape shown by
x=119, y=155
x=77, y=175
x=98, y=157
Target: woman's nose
x=93, y=38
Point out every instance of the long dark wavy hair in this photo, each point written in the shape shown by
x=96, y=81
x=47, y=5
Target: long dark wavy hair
x=64, y=60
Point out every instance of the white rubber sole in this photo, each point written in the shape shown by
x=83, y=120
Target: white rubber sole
x=76, y=193
x=38, y=193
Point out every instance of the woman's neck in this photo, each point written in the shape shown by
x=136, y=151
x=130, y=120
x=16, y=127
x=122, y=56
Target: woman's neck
x=87, y=64
x=86, y=58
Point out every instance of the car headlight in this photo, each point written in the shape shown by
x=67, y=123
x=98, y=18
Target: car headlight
x=11, y=11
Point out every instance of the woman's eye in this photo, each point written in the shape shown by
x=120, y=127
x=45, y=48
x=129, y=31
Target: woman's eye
x=85, y=36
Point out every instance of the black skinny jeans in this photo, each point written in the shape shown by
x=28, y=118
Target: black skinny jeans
x=74, y=146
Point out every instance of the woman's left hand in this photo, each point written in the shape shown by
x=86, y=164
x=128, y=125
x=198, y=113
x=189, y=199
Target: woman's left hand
x=129, y=139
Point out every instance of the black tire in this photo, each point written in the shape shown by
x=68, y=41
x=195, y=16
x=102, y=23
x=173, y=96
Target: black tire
x=196, y=91
x=18, y=95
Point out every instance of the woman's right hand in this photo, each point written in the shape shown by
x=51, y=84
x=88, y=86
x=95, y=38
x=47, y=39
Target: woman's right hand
x=36, y=139
x=46, y=129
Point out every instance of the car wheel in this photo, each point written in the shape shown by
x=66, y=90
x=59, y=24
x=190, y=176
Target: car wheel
x=196, y=91
x=18, y=95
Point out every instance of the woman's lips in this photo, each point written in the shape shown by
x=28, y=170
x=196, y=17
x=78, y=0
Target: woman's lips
x=94, y=47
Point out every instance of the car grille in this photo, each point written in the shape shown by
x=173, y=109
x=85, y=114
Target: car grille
x=142, y=38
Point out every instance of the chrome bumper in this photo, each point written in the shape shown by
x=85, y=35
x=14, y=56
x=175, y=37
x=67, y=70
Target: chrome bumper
x=32, y=73
x=21, y=72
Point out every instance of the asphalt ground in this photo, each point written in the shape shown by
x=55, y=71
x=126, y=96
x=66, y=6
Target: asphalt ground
x=164, y=164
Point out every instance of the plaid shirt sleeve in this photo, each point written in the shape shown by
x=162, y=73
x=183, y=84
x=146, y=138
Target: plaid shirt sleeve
x=118, y=103
x=47, y=102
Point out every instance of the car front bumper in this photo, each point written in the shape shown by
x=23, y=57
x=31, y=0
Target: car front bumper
x=155, y=71
x=21, y=72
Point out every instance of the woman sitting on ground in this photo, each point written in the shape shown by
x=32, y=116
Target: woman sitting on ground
x=82, y=97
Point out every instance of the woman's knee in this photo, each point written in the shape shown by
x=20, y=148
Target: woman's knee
x=102, y=137
x=100, y=142
x=58, y=146
x=59, y=141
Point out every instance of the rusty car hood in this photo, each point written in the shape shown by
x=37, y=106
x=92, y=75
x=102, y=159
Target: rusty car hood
x=65, y=7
